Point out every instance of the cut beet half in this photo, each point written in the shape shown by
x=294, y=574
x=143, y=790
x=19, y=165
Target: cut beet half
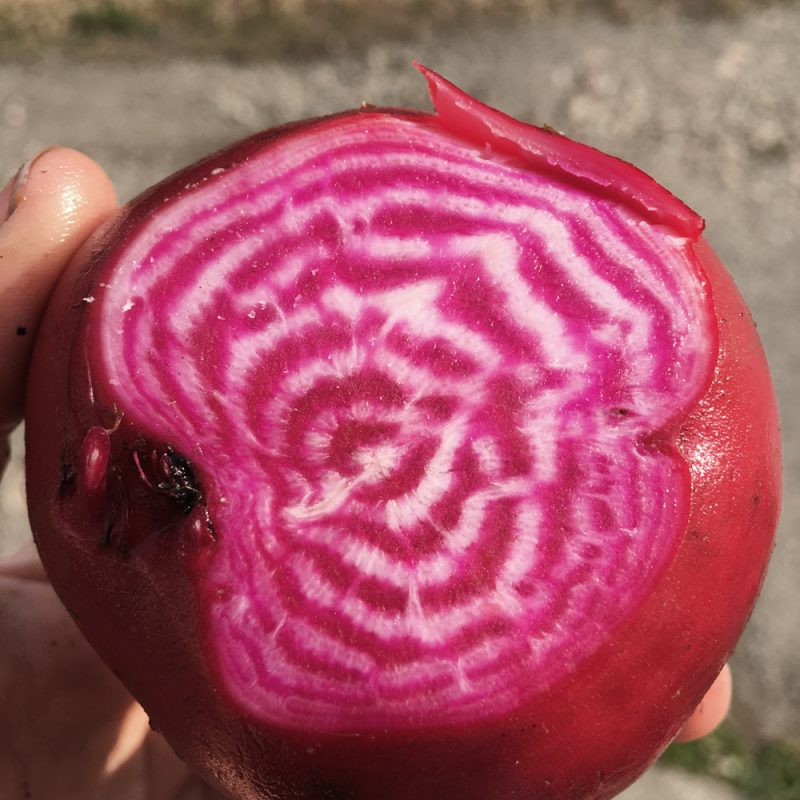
x=416, y=381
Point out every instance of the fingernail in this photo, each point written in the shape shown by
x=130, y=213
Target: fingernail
x=15, y=190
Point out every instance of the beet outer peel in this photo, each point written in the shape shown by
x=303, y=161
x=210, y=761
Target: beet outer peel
x=394, y=455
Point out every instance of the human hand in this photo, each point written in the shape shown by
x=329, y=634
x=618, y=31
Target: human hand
x=68, y=729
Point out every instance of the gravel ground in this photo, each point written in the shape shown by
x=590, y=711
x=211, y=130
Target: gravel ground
x=709, y=106
x=671, y=784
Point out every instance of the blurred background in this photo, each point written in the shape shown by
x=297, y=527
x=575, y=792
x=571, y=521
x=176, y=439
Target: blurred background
x=704, y=95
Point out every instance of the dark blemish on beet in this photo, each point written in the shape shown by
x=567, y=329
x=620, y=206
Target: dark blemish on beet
x=107, y=534
x=68, y=480
x=21, y=330
x=180, y=483
x=174, y=476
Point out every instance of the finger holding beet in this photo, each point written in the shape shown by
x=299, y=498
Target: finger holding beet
x=403, y=455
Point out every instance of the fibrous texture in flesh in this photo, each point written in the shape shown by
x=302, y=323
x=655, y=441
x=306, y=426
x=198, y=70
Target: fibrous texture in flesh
x=427, y=390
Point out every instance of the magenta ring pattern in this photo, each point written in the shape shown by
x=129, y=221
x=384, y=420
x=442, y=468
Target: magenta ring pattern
x=422, y=388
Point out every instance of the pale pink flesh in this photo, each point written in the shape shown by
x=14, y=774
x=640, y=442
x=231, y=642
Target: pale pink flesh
x=426, y=389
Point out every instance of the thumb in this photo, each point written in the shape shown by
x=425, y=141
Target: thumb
x=47, y=211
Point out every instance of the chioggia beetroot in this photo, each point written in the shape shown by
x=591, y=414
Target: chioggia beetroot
x=406, y=456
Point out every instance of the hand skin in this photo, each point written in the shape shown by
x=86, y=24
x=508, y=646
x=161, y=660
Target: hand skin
x=68, y=729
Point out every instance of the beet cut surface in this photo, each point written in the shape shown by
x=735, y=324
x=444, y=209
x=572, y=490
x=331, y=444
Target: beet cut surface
x=392, y=439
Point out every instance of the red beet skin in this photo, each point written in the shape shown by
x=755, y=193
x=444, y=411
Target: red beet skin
x=404, y=456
